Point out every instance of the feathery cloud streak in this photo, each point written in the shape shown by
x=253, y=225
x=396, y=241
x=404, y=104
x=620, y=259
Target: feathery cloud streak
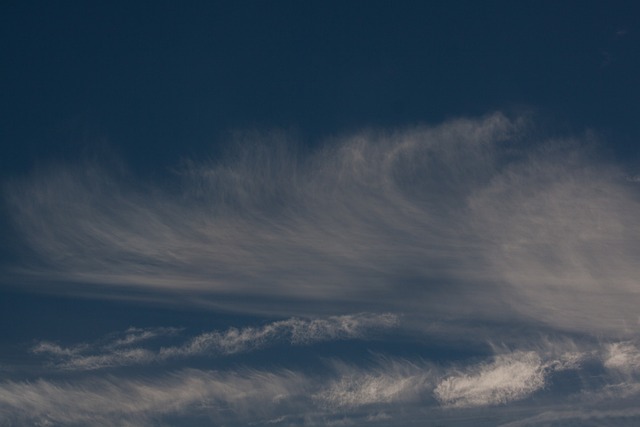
x=120, y=352
x=394, y=389
x=470, y=219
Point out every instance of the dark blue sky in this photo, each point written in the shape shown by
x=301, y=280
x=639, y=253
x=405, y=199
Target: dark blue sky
x=163, y=81
x=302, y=213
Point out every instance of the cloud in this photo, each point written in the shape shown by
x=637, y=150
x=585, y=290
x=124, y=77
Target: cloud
x=381, y=390
x=57, y=350
x=625, y=417
x=471, y=220
x=623, y=357
x=136, y=335
x=235, y=397
x=122, y=401
x=295, y=331
x=509, y=377
x=342, y=393
x=109, y=352
x=393, y=381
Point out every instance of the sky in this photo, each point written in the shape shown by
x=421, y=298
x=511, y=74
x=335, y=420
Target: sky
x=319, y=213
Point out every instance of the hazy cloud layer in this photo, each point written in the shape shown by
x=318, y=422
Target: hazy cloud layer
x=122, y=401
x=470, y=218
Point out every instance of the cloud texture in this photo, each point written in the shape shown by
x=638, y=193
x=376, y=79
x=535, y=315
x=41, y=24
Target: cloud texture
x=510, y=257
x=520, y=388
x=470, y=218
x=125, y=351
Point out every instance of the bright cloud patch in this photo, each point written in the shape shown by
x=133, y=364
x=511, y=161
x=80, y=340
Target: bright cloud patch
x=512, y=258
x=509, y=377
x=624, y=357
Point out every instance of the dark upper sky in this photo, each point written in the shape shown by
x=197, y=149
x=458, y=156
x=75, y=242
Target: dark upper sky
x=159, y=81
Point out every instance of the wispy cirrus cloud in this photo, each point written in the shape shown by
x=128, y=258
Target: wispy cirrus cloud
x=125, y=401
x=120, y=351
x=386, y=389
x=295, y=331
x=137, y=335
x=472, y=219
x=388, y=382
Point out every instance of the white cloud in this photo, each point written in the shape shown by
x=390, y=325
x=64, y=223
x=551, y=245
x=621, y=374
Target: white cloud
x=564, y=230
x=623, y=357
x=468, y=220
x=294, y=330
x=384, y=390
x=237, y=397
x=509, y=377
x=123, y=357
x=136, y=335
x=118, y=352
x=234, y=397
x=390, y=382
x=57, y=350
x=118, y=401
x=337, y=227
